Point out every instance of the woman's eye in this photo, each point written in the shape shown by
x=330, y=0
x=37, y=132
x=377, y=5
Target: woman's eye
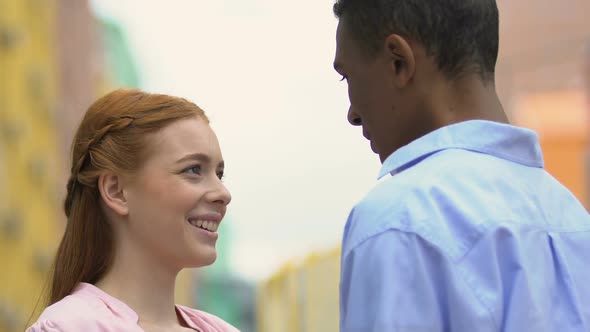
x=220, y=175
x=194, y=170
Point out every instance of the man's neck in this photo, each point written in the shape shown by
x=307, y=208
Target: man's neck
x=467, y=98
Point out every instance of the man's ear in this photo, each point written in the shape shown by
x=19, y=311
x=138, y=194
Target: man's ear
x=402, y=59
x=111, y=190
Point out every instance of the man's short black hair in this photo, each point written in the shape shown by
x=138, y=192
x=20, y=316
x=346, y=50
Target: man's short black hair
x=461, y=35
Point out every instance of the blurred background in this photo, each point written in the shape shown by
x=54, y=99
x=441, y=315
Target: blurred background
x=262, y=70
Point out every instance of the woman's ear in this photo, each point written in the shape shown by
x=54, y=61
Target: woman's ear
x=111, y=190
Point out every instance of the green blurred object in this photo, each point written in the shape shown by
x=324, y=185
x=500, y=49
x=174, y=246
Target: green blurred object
x=119, y=57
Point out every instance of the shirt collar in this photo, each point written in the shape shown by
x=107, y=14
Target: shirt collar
x=504, y=141
x=115, y=305
x=123, y=310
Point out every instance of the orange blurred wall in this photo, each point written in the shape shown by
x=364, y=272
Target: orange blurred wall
x=542, y=82
x=560, y=118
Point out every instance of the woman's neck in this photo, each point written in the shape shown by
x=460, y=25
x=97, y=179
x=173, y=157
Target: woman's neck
x=145, y=285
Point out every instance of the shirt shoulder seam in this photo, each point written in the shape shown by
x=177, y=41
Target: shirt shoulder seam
x=444, y=255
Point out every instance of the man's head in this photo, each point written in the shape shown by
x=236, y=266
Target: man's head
x=395, y=54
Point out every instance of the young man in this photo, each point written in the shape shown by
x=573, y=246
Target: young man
x=470, y=233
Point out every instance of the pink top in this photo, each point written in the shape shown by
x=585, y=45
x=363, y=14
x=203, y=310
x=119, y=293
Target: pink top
x=89, y=309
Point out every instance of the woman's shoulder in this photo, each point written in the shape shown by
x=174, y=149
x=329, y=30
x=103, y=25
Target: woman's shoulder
x=206, y=321
x=76, y=312
x=65, y=314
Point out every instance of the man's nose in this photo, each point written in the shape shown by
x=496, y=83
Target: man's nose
x=353, y=117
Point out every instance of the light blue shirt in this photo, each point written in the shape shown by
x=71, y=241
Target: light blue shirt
x=469, y=234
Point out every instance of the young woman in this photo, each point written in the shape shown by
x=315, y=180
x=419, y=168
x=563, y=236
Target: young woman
x=144, y=200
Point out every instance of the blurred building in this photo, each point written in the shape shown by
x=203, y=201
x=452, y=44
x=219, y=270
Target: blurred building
x=541, y=82
x=80, y=69
x=301, y=297
x=55, y=59
x=586, y=73
x=29, y=162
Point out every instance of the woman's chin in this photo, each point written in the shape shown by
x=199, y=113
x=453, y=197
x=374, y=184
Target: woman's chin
x=202, y=259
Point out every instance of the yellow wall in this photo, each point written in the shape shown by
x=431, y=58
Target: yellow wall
x=183, y=294
x=301, y=297
x=322, y=275
x=28, y=154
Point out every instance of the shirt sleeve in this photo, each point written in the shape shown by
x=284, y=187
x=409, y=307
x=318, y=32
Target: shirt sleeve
x=398, y=282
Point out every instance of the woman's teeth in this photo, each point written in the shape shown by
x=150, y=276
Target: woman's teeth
x=208, y=225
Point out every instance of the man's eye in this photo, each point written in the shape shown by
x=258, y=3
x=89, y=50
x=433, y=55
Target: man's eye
x=220, y=175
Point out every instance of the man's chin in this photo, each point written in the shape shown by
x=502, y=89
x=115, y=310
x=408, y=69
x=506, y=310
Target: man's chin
x=373, y=148
x=382, y=156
